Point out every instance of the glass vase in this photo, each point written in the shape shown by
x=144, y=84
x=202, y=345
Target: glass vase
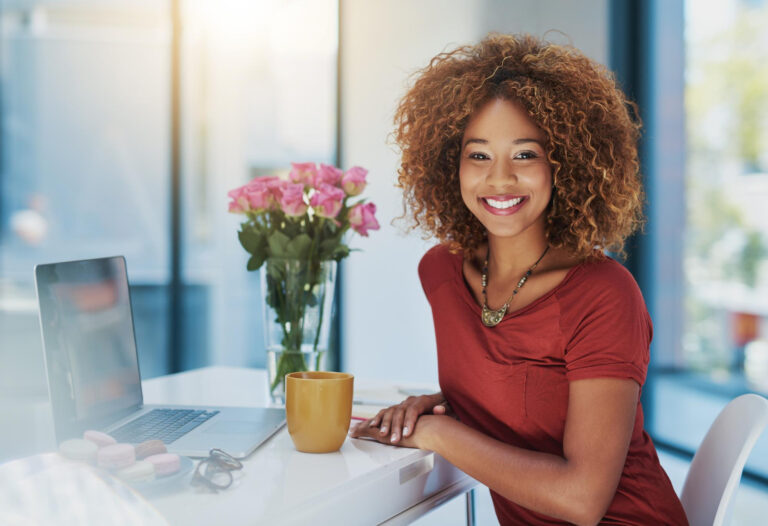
x=298, y=302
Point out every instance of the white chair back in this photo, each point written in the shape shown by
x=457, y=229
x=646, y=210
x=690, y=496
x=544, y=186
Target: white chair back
x=716, y=468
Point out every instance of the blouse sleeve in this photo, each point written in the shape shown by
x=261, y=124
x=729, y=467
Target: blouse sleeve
x=611, y=335
x=435, y=268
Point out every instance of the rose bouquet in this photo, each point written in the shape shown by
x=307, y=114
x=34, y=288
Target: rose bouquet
x=297, y=227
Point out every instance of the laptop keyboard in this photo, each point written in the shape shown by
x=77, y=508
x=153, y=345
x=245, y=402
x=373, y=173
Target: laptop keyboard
x=162, y=424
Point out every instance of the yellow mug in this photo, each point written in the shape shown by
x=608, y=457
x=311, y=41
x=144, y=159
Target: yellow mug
x=318, y=408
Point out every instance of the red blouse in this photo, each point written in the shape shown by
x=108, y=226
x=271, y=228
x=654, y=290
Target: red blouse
x=511, y=381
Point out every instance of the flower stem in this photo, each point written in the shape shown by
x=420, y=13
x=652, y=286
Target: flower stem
x=288, y=362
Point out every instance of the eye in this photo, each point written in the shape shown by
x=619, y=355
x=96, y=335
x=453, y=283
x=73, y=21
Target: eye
x=478, y=156
x=526, y=155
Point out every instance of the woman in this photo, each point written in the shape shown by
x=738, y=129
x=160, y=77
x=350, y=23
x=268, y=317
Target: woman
x=520, y=157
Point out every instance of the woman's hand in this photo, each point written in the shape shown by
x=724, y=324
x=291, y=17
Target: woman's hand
x=399, y=421
x=422, y=437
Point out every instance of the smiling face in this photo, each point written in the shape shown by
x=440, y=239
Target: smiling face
x=506, y=181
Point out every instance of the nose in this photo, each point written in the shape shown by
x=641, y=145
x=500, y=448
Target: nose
x=501, y=174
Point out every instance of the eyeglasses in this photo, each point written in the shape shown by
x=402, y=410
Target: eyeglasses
x=215, y=472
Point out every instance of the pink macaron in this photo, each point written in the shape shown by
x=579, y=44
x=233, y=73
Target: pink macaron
x=149, y=448
x=116, y=456
x=165, y=463
x=99, y=438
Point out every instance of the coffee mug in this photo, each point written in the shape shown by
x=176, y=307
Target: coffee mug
x=318, y=408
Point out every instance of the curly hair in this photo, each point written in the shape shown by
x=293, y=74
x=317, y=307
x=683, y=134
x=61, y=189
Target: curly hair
x=591, y=132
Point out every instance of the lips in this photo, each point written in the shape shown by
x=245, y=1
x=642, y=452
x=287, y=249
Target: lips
x=503, y=205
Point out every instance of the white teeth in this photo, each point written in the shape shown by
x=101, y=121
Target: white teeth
x=501, y=205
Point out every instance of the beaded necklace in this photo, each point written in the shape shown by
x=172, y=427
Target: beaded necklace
x=492, y=317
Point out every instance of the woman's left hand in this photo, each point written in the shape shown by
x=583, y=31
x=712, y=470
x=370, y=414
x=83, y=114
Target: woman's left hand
x=419, y=438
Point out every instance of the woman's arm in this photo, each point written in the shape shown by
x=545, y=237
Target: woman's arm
x=577, y=487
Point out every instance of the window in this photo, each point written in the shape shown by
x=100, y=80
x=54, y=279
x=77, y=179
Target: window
x=726, y=252
x=85, y=160
x=723, y=351
x=84, y=119
x=258, y=91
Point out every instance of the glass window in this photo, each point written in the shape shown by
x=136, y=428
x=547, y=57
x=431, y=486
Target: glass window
x=84, y=135
x=726, y=259
x=258, y=92
x=725, y=339
x=84, y=154
x=85, y=151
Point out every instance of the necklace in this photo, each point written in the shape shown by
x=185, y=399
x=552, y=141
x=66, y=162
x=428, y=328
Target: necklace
x=492, y=317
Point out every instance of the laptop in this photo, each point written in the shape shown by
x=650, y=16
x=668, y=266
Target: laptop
x=93, y=369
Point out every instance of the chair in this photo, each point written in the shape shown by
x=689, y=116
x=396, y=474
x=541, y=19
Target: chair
x=717, y=465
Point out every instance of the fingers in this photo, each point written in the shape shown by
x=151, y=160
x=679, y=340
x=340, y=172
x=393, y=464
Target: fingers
x=443, y=409
x=364, y=431
x=409, y=423
x=405, y=415
x=386, y=421
x=376, y=420
x=360, y=428
x=397, y=424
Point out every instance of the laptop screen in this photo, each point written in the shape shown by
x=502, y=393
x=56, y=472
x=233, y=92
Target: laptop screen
x=90, y=348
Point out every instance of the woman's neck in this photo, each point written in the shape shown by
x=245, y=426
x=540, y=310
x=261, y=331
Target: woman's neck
x=513, y=256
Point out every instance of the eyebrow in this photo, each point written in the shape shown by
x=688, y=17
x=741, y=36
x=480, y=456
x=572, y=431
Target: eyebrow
x=522, y=140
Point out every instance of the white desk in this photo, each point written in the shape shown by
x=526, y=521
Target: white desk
x=364, y=483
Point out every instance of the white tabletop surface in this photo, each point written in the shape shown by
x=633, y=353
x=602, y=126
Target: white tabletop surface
x=363, y=483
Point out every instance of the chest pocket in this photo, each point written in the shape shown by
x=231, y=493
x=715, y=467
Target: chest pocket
x=546, y=401
x=501, y=390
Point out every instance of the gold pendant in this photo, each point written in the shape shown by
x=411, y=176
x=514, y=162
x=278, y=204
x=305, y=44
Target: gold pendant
x=491, y=318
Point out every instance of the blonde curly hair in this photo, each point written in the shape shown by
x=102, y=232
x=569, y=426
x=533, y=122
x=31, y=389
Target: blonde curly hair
x=591, y=127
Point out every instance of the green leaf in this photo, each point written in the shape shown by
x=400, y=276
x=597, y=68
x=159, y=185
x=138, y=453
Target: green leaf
x=275, y=273
x=299, y=247
x=256, y=260
x=327, y=248
x=290, y=227
x=250, y=240
x=278, y=243
x=329, y=244
x=340, y=252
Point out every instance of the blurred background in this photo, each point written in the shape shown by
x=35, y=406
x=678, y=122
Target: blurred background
x=123, y=124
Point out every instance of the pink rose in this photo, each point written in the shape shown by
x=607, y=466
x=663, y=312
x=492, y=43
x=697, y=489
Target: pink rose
x=328, y=175
x=292, y=199
x=361, y=218
x=266, y=179
x=239, y=203
x=327, y=200
x=235, y=208
x=304, y=173
x=258, y=194
x=275, y=187
x=353, y=182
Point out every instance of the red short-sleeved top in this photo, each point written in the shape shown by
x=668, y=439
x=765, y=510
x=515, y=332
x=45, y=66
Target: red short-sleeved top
x=511, y=381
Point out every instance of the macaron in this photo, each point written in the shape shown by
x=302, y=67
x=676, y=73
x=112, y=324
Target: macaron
x=165, y=463
x=79, y=449
x=149, y=448
x=139, y=471
x=99, y=438
x=116, y=456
